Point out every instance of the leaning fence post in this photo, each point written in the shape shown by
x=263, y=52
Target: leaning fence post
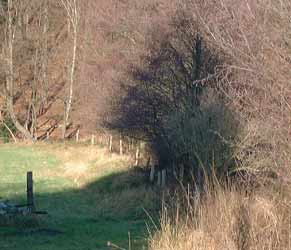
x=77, y=135
x=30, y=198
x=148, y=162
x=137, y=155
x=152, y=173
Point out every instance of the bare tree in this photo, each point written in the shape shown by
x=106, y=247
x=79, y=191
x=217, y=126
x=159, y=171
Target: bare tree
x=73, y=15
x=44, y=52
x=255, y=38
x=27, y=46
x=9, y=52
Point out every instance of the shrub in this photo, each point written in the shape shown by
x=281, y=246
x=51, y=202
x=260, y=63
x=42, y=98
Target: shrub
x=173, y=100
x=206, y=139
x=5, y=134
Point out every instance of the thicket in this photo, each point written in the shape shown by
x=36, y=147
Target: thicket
x=174, y=101
x=254, y=38
x=213, y=92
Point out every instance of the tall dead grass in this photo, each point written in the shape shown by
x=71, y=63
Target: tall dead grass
x=226, y=219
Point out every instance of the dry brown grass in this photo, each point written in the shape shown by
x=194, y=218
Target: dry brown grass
x=80, y=162
x=227, y=219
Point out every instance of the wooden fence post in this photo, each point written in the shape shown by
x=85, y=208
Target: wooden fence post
x=152, y=173
x=120, y=145
x=93, y=140
x=128, y=144
x=181, y=175
x=30, y=198
x=148, y=162
x=137, y=154
x=159, y=178
x=103, y=140
x=77, y=135
x=110, y=144
x=164, y=174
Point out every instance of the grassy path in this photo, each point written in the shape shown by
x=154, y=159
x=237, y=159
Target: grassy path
x=91, y=199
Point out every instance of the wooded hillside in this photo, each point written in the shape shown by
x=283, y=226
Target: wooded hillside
x=60, y=60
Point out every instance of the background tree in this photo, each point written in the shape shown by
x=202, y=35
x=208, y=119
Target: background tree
x=12, y=19
x=30, y=48
x=73, y=15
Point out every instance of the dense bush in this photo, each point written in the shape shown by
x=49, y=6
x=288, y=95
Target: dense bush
x=173, y=100
x=205, y=140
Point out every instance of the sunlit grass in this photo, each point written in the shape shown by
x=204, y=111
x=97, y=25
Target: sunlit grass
x=90, y=198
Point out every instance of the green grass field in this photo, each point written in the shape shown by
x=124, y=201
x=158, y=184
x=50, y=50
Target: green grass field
x=91, y=198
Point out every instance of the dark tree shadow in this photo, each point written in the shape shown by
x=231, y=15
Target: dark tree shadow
x=173, y=100
x=86, y=218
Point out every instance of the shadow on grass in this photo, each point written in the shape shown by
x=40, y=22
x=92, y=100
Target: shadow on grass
x=108, y=210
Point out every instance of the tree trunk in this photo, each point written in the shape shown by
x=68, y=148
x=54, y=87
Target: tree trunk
x=73, y=17
x=10, y=76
